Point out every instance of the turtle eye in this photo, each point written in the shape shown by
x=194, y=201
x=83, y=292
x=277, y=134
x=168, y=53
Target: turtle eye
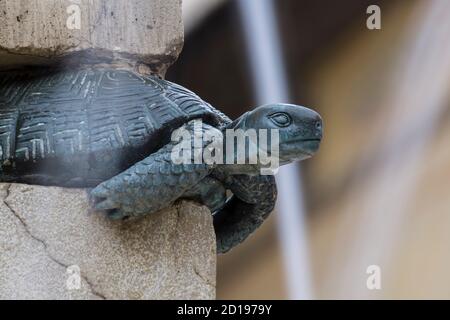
x=281, y=119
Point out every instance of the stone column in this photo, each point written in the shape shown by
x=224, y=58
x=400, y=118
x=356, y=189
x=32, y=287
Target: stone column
x=51, y=245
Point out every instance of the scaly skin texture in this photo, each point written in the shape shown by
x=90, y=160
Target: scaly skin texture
x=148, y=186
x=253, y=200
x=156, y=182
x=151, y=184
x=111, y=129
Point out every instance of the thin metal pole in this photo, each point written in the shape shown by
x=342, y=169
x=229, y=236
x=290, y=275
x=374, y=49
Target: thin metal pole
x=269, y=80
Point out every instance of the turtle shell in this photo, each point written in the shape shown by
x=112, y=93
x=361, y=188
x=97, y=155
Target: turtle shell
x=78, y=128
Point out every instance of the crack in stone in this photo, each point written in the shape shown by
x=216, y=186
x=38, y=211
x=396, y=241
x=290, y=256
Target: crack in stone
x=203, y=278
x=44, y=244
x=22, y=221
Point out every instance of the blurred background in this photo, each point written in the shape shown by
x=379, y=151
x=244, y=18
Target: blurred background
x=378, y=191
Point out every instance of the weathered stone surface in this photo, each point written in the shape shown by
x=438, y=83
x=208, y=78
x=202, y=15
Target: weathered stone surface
x=91, y=30
x=47, y=233
x=44, y=230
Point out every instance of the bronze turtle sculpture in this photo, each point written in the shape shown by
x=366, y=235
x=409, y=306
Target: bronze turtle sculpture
x=111, y=130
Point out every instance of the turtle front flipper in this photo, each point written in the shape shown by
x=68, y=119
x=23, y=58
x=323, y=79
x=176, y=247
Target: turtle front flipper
x=151, y=184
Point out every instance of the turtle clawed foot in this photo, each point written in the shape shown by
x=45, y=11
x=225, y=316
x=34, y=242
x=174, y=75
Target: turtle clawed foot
x=102, y=202
x=113, y=213
x=116, y=214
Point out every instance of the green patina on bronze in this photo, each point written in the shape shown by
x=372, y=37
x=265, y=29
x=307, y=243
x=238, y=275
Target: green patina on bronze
x=110, y=130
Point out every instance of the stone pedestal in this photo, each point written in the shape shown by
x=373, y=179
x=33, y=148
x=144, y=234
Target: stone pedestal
x=132, y=31
x=51, y=245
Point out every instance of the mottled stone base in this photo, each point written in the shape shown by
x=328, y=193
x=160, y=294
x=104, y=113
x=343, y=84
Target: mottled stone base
x=47, y=234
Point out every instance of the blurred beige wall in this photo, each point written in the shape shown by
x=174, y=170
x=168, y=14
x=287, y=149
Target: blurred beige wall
x=385, y=163
x=253, y=270
x=379, y=187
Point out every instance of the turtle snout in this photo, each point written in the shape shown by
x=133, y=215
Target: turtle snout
x=311, y=129
x=310, y=124
x=311, y=135
x=318, y=128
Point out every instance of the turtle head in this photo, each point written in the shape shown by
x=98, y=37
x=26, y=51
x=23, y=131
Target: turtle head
x=299, y=129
